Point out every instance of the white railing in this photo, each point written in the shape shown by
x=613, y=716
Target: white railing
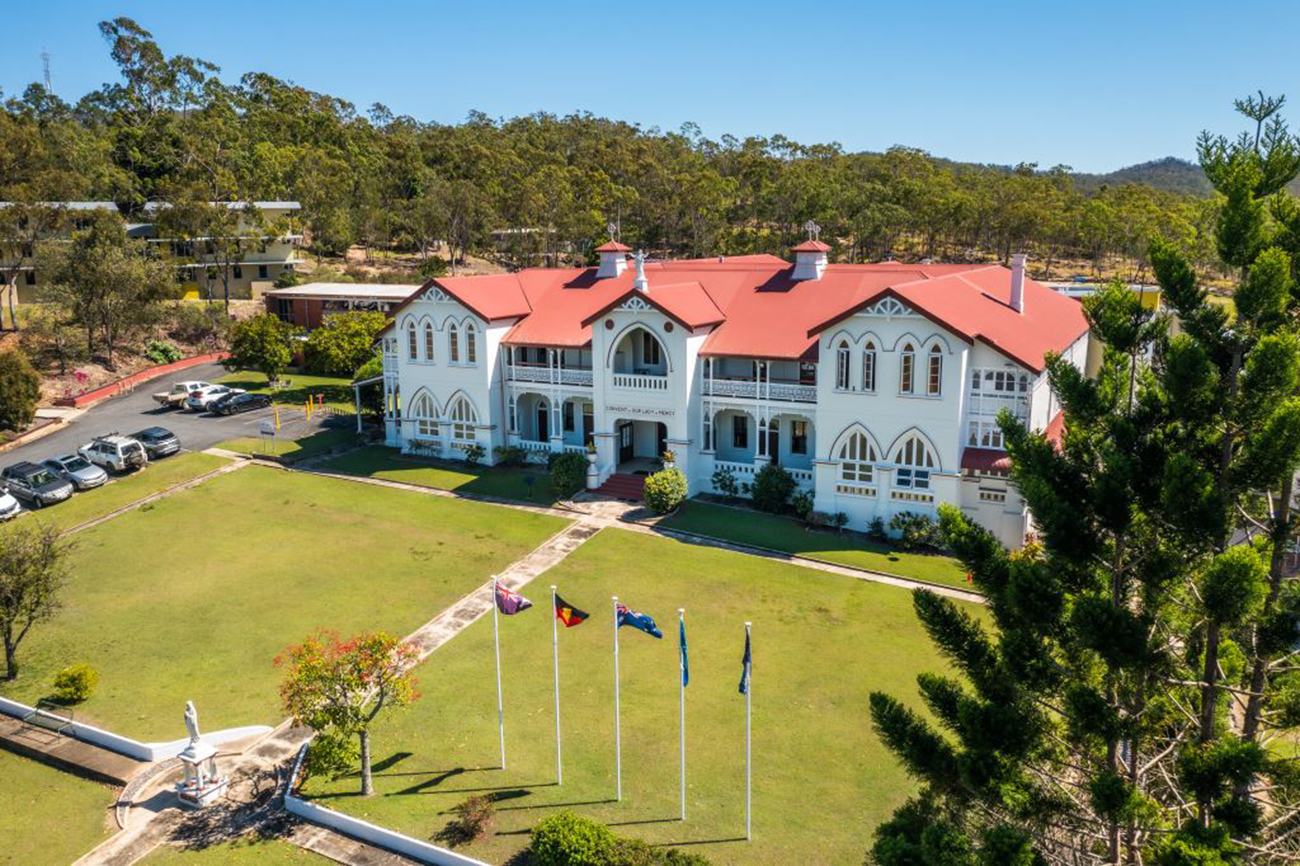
x=548, y=375
x=643, y=382
x=803, y=476
x=792, y=392
x=531, y=445
x=575, y=449
x=736, y=468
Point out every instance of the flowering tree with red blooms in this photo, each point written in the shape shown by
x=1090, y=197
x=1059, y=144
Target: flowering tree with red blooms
x=339, y=687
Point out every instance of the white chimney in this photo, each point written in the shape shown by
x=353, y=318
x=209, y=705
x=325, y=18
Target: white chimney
x=640, y=284
x=1018, y=283
x=613, y=260
x=810, y=260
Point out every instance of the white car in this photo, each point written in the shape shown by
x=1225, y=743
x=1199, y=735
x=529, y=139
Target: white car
x=115, y=452
x=9, y=506
x=201, y=400
x=179, y=393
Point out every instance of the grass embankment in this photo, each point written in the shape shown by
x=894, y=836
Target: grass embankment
x=123, y=490
x=48, y=815
x=821, y=777
x=246, y=850
x=192, y=597
x=288, y=450
x=790, y=536
x=377, y=461
x=295, y=389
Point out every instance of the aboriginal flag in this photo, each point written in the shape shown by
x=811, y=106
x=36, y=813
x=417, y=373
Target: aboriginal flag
x=568, y=614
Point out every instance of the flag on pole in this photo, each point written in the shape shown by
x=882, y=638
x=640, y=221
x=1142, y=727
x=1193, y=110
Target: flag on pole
x=745, y=663
x=568, y=614
x=510, y=602
x=639, y=621
x=681, y=640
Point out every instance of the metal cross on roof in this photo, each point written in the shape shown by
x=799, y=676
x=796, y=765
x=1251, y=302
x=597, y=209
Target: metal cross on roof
x=814, y=230
x=613, y=231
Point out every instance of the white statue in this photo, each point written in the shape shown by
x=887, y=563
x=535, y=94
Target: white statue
x=640, y=282
x=192, y=721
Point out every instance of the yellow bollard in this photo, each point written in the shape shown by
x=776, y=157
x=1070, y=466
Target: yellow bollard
x=277, y=415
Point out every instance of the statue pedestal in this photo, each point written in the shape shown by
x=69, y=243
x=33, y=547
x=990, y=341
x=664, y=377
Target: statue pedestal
x=202, y=784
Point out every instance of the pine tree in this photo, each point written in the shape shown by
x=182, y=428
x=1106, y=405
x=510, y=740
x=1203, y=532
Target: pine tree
x=1120, y=706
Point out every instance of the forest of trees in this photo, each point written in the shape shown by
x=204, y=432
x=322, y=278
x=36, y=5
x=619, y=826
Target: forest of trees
x=173, y=129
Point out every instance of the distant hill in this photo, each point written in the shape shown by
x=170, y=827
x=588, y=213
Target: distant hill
x=1170, y=174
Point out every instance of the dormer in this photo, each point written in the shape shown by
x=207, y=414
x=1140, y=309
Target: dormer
x=810, y=259
x=613, y=259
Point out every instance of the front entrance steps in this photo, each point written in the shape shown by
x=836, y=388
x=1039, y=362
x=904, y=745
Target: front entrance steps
x=623, y=486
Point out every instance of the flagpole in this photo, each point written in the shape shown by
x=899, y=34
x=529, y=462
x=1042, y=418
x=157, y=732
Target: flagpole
x=496, y=634
x=555, y=646
x=681, y=682
x=749, y=697
x=618, y=732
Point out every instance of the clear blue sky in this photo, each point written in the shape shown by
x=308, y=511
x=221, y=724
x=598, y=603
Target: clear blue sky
x=1096, y=85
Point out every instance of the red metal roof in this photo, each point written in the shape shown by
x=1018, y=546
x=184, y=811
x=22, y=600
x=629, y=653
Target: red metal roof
x=811, y=246
x=985, y=460
x=759, y=311
x=613, y=247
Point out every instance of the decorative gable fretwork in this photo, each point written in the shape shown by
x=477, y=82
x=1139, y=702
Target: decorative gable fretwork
x=635, y=305
x=435, y=294
x=888, y=307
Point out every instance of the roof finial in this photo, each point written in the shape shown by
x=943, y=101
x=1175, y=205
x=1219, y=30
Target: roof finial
x=640, y=283
x=814, y=231
x=612, y=228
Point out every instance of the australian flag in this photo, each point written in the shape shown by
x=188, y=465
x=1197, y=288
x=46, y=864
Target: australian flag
x=641, y=621
x=745, y=663
x=510, y=602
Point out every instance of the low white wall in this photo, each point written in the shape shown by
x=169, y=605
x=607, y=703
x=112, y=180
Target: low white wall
x=125, y=745
x=367, y=832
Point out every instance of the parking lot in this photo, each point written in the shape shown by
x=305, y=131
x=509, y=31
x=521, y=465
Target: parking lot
x=136, y=411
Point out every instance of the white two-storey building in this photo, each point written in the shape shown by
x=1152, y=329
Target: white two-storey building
x=876, y=386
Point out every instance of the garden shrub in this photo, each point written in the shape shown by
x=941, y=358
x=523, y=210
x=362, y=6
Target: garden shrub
x=568, y=473
x=876, y=531
x=20, y=389
x=772, y=488
x=162, y=352
x=802, y=504
x=286, y=280
x=72, y=685
x=839, y=520
x=820, y=519
x=566, y=839
x=665, y=490
x=916, y=531
x=724, y=482
x=510, y=455
x=472, y=820
x=474, y=454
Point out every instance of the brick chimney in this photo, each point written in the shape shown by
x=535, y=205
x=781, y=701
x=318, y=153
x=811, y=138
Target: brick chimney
x=613, y=260
x=810, y=259
x=1018, y=283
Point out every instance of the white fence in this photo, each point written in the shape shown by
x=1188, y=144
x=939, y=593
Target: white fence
x=367, y=832
x=125, y=745
x=548, y=375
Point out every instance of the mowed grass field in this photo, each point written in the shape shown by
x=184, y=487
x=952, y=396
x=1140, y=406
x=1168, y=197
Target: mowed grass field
x=47, y=815
x=377, y=461
x=822, y=780
x=790, y=536
x=246, y=850
x=192, y=597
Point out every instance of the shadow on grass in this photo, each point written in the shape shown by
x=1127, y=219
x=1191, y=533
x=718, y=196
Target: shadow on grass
x=518, y=484
x=698, y=842
x=603, y=802
x=296, y=393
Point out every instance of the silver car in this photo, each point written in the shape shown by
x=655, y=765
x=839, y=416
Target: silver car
x=9, y=506
x=202, y=400
x=83, y=474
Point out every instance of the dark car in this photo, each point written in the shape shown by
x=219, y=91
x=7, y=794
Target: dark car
x=233, y=404
x=157, y=441
x=35, y=485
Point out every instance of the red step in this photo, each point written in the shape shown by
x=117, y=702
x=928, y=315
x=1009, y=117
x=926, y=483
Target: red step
x=621, y=486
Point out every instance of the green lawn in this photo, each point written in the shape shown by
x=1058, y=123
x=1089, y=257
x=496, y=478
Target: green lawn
x=790, y=536
x=250, y=849
x=47, y=815
x=290, y=450
x=337, y=389
x=125, y=489
x=195, y=595
x=377, y=461
x=821, y=778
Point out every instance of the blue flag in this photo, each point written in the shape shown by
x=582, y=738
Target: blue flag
x=744, y=673
x=640, y=621
x=686, y=666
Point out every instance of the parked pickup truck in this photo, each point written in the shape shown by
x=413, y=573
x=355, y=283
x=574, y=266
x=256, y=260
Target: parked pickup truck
x=178, y=394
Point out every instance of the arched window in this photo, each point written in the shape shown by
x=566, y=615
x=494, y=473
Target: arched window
x=425, y=415
x=906, y=369
x=453, y=344
x=463, y=418
x=412, y=347
x=428, y=342
x=856, y=457
x=915, y=463
x=869, y=367
x=934, y=381
x=471, y=346
x=842, y=366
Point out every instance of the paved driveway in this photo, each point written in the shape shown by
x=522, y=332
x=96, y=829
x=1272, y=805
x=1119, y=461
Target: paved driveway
x=136, y=411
